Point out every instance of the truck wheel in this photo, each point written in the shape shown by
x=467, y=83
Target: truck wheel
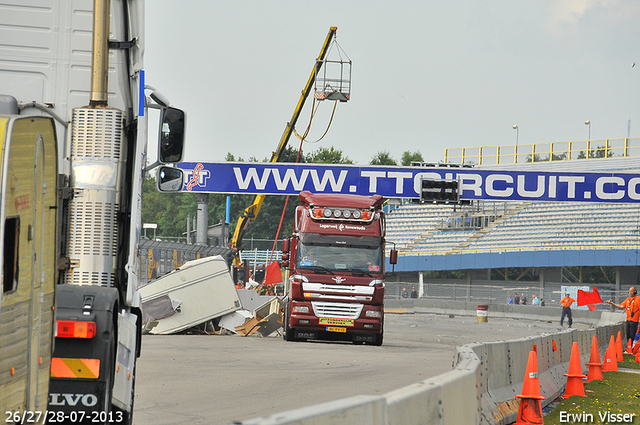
x=378, y=341
x=287, y=335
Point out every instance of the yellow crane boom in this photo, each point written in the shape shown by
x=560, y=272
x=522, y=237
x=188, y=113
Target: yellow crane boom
x=251, y=212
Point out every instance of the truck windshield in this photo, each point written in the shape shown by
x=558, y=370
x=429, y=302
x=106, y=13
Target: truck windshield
x=340, y=257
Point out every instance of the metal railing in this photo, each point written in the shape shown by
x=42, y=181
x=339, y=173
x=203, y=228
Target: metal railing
x=160, y=257
x=521, y=248
x=544, y=152
x=258, y=257
x=499, y=294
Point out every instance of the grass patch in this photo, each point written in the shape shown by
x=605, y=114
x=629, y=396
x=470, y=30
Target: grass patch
x=629, y=363
x=618, y=393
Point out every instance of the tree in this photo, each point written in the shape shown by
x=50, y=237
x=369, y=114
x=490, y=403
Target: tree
x=289, y=154
x=328, y=156
x=601, y=152
x=231, y=158
x=168, y=210
x=408, y=157
x=598, y=152
x=383, y=158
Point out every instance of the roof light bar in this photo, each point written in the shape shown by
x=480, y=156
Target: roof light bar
x=342, y=214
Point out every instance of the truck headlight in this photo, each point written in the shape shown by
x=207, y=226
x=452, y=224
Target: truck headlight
x=372, y=313
x=300, y=309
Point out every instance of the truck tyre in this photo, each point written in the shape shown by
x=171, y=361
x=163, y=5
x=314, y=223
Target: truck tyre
x=378, y=341
x=287, y=335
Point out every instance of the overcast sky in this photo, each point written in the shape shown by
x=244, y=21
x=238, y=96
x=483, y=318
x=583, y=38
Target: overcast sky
x=426, y=75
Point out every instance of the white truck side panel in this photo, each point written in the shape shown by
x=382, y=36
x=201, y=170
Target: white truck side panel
x=125, y=361
x=45, y=56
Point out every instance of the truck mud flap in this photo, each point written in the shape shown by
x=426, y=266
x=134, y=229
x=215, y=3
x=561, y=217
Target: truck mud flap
x=75, y=400
x=91, y=360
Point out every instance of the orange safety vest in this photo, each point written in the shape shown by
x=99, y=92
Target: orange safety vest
x=632, y=308
x=567, y=301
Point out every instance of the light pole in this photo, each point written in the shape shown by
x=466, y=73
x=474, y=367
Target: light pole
x=515, y=151
x=588, y=122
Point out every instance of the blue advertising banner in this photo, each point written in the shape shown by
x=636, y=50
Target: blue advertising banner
x=405, y=182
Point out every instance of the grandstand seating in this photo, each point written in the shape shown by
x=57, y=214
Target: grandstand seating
x=410, y=221
x=430, y=229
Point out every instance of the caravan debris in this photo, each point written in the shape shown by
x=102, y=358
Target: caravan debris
x=198, y=291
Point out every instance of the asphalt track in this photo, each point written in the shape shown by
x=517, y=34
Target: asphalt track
x=216, y=380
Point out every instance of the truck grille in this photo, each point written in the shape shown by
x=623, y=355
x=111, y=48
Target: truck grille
x=349, y=289
x=342, y=310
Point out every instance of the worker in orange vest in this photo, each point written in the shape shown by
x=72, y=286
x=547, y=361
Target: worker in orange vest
x=565, y=303
x=632, y=307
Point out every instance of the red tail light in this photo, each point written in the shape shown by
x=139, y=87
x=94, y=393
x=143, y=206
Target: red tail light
x=75, y=329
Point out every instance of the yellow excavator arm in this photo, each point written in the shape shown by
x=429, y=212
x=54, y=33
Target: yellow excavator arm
x=251, y=212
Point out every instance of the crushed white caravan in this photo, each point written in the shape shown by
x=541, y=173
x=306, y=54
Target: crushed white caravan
x=197, y=292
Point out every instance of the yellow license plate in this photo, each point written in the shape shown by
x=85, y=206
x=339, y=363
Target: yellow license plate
x=336, y=329
x=332, y=321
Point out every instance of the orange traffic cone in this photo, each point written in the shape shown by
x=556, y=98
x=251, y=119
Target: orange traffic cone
x=638, y=358
x=629, y=348
x=530, y=411
x=606, y=367
x=619, y=355
x=575, y=386
x=613, y=350
x=610, y=363
x=595, y=365
x=636, y=348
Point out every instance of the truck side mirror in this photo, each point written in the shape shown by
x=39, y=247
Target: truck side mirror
x=170, y=179
x=393, y=256
x=286, y=245
x=171, y=143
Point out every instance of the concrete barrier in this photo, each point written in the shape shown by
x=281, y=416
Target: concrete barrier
x=438, y=400
x=358, y=410
x=482, y=387
x=467, y=308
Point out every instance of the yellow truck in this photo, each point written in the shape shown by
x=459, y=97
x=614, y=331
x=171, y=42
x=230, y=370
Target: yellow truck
x=28, y=235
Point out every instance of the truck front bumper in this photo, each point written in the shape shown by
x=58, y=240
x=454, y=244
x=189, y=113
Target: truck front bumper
x=308, y=322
